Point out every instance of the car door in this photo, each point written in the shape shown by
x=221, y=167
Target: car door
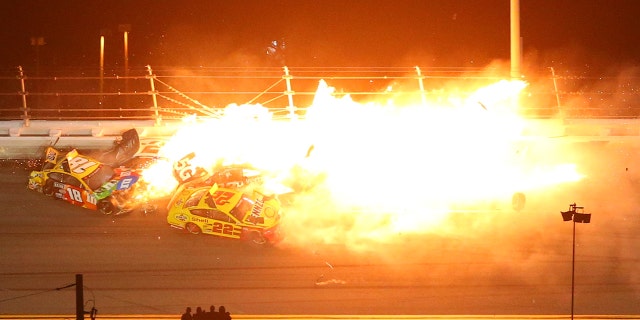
x=76, y=194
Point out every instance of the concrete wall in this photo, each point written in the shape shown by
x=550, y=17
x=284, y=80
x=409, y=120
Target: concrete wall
x=20, y=140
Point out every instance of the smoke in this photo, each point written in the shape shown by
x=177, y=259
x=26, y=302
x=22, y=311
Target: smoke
x=384, y=172
x=379, y=177
x=532, y=246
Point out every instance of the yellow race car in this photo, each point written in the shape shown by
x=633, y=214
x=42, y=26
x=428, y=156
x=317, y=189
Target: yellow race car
x=84, y=181
x=226, y=212
x=97, y=183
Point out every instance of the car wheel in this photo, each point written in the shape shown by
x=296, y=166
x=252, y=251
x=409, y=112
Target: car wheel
x=257, y=239
x=48, y=188
x=105, y=206
x=193, y=228
x=518, y=201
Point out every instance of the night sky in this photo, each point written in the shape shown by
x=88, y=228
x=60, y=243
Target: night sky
x=320, y=33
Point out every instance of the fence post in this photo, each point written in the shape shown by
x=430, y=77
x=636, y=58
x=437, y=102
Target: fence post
x=154, y=93
x=287, y=77
x=421, y=84
x=23, y=93
x=79, y=297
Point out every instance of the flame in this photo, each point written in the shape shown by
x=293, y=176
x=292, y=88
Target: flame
x=366, y=172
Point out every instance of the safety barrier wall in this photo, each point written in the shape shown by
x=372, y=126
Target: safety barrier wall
x=19, y=141
x=70, y=109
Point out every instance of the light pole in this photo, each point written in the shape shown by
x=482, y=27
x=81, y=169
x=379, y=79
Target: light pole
x=104, y=32
x=516, y=40
x=575, y=214
x=125, y=29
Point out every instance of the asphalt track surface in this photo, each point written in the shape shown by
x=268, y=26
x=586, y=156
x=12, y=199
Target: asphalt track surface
x=512, y=263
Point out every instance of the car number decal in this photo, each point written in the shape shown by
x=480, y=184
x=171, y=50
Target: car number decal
x=221, y=197
x=184, y=170
x=80, y=165
x=223, y=228
x=75, y=195
x=218, y=227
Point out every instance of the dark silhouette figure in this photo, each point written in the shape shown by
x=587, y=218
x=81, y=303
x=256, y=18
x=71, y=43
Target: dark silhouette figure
x=187, y=315
x=212, y=314
x=199, y=315
x=223, y=314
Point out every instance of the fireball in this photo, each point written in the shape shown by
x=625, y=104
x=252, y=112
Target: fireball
x=366, y=172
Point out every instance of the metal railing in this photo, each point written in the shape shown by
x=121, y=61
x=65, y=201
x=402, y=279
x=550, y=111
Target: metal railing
x=172, y=93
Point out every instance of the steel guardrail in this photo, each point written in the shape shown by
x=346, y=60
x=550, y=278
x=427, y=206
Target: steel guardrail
x=172, y=93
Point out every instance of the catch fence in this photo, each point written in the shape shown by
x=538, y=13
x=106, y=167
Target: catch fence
x=172, y=93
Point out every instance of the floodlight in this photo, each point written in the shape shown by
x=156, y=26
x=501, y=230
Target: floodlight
x=576, y=214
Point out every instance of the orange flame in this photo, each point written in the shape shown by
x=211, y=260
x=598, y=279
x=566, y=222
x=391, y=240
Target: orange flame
x=365, y=172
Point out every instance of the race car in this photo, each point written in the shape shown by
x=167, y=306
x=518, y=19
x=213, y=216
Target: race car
x=226, y=212
x=89, y=182
x=226, y=176
x=84, y=181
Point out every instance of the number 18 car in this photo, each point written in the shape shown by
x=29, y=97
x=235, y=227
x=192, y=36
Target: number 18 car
x=83, y=181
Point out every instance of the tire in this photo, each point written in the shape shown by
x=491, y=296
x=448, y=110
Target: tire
x=256, y=239
x=48, y=188
x=192, y=228
x=105, y=206
x=518, y=200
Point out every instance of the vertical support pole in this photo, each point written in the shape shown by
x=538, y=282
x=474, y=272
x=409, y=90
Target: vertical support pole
x=126, y=68
x=101, y=68
x=555, y=87
x=287, y=77
x=573, y=266
x=79, y=298
x=23, y=93
x=126, y=53
x=421, y=84
x=125, y=29
x=516, y=41
x=154, y=93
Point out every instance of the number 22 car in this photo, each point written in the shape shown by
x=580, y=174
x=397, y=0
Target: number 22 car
x=226, y=212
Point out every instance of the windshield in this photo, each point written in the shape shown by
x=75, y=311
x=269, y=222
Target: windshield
x=195, y=197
